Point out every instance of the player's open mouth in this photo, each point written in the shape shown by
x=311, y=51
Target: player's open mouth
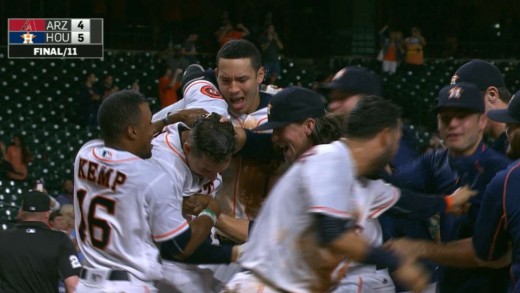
x=236, y=102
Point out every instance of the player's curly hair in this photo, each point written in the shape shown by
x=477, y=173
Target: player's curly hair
x=213, y=136
x=117, y=112
x=238, y=49
x=329, y=128
x=370, y=116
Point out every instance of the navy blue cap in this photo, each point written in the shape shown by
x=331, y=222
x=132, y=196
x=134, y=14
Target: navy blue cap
x=509, y=115
x=356, y=80
x=36, y=201
x=290, y=105
x=462, y=95
x=479, y=72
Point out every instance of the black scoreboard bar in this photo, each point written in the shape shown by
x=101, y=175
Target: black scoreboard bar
x=43, y=38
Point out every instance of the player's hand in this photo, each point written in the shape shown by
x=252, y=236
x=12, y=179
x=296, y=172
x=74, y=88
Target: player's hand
x=195, y=204
x=412, y=275
x=459, y=200
x=189, y=116
x=213, y=205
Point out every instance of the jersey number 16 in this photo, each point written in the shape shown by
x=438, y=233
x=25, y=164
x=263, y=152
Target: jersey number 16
x=95, y=224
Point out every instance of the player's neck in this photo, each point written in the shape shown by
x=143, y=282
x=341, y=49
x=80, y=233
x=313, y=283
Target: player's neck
x=120, y=146
x=363, y=159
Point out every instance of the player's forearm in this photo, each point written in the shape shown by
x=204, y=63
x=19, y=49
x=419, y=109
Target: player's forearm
x=235, y=229
x=356, y=248
x=200, y=229
x=71, y=283
x=351, y=245
x=458, y=253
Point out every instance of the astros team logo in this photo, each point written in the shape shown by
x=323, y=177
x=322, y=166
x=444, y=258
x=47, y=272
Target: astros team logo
x=455, y=92
x=454, y=79
x=210, y=91
x=27, y=37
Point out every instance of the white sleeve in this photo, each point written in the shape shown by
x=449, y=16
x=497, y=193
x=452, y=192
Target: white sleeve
x=165, y=214
x=199, y=94
x=203, y=94
x=383, y=196
x=329, y=183
x=179, y=105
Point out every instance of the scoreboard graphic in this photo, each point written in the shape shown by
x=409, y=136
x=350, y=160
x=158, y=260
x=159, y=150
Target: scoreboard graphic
x=40, y=38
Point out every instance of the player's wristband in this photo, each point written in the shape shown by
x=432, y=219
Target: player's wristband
x=382, y=258
x=449, y=202
x=209, y=213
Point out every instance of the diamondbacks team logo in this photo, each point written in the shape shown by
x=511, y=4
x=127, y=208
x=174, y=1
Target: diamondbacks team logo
x=27, y=37
x=454, y=79
x=210, y=91
x=455, y=93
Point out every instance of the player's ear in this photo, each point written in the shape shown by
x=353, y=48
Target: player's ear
x=491, y=95
x=131, y=131
x=309, y=125
x=186, y=147
x=385, y=137
x=260, y=75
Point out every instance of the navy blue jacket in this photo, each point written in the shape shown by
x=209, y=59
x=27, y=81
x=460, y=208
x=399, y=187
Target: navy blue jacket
x=499, y=220
x=439, y=173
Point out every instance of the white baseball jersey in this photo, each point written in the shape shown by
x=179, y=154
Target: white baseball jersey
x=199, y=94
x=372, y=198
x=321, y=181
x=168, y=152
x=122, y=205
x=311, y=185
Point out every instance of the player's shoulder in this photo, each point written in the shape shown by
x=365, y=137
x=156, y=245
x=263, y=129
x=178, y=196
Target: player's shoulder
x=89, y=145
x=493, y=157
x=335, y=151
x=511, y=174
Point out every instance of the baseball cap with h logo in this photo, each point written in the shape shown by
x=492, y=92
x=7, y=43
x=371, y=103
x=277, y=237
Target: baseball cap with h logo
x=461, y=95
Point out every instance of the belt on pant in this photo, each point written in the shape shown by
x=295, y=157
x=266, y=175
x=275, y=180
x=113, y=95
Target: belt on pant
x=113, y=275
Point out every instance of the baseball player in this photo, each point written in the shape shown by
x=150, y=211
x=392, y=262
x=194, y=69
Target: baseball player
x=123, y=204
x=490, y=244
x=488, y=78
x=466, y=161
x=304, y=214
x=239, y=75
x=193, y=159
